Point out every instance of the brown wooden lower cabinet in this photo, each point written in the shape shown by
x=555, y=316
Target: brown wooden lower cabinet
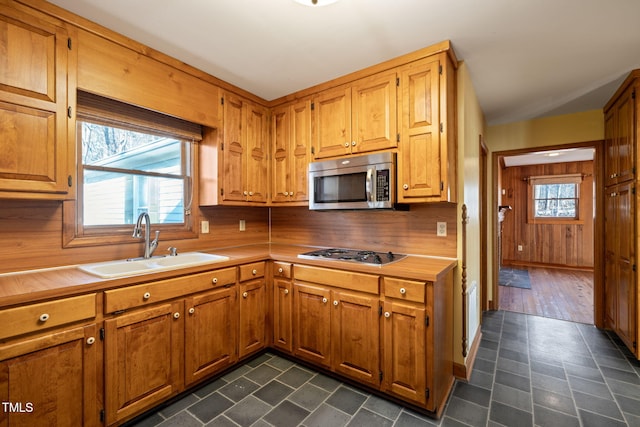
x=142, y=359
x=283, y=314
x=210, y=343
x=252, y=335
x=51, y=380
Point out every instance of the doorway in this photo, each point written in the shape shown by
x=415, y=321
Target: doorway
x=548, y=222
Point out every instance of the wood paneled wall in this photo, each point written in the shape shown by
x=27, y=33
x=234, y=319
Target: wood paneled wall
x=566, y=245
x=411, y=232
x=31, y=235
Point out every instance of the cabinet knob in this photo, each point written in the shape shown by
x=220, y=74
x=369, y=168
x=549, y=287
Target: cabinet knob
x=403, y=291
x=614, y=194
x=254, y=271
x=214, y=280
x=346, y=144
x=176, y=315
x=324, y=300
x=91, y=340
x=335, y=302
x=245, y=192
x=286, y=291
x=405, y=186
x=280, y=270
x=245, y=294
x=44, y=317
x=286, y=193
x=353, y=143
x=146, y=295
x=387, y=314
x=251, y=193
x=192, y=310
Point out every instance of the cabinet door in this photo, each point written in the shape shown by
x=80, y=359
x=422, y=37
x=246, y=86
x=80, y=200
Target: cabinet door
x=373, y=116
x=611, y=253
x=355, y=336
x=300, y=151
x=253, y=306
x=626, y=116
x=404, y=354
x=281, y=158
x=282, y=314
x=234, y=149
x=332, y=123
x=51, y=381
x=210, y=333
x=626, y=292
x=257, y=162
x=312, y=323
x=420, y=162
x=33, y=108
x=611, y=147
x=142, y=360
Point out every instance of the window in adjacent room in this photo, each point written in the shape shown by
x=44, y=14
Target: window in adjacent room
x=130, y=161
x=554, y=198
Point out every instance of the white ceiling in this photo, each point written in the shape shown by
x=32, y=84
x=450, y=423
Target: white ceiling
x=526, y=58
x=550, y=156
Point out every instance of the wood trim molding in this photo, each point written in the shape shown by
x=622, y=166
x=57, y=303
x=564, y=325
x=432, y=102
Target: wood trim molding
x=465, y=220
x=463, y=371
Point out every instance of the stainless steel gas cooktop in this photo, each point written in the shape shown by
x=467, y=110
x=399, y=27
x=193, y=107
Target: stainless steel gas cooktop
x=354, y=255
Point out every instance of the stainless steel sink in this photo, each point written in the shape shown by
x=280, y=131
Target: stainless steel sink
x=121, y=268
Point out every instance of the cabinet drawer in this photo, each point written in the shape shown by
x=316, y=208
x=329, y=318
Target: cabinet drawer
x=282, y=269
x=407, y=290
x=251, y=271
x=338, y=278
x=148, y=293
x=35, y=317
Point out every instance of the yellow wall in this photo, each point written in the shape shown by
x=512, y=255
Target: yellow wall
x=470, y=127
x=544, y=132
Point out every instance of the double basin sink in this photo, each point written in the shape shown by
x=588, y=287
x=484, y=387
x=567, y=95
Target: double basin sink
x=121, y=268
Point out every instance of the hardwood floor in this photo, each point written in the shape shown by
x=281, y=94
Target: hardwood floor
x=555, y=293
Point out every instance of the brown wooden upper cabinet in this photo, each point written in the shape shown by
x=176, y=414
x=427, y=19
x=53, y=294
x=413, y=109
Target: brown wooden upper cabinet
x=620, y=139
x=427, y=151
x=356, y=118
x=33, y=107
x=291, y=152
x=245, y=149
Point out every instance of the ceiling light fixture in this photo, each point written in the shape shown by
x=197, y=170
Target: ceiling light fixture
x=315, y=3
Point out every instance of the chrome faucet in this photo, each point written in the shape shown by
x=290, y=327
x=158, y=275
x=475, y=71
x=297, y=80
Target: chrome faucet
x=149, y=246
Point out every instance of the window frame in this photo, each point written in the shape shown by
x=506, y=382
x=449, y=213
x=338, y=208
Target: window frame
x=76, y=234
x=550, y=180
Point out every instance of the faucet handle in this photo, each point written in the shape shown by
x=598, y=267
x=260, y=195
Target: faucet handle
x=173, y=251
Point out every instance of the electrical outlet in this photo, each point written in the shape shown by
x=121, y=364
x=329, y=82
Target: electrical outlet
x=441, y=229
x=204, y=227
x=519, y=248
x=243, y=225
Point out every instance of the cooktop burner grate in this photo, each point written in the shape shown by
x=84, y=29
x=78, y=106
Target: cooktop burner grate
x=354, y=255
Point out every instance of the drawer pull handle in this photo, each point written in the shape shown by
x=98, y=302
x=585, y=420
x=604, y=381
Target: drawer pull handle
x=192, y=310
x=245, y=294
x=214, y=280
x=387, y=314
x=286, y=291
x=280, y=270
x=405, y=186
x=324, y=300
x=254, y=271
x=176, y=315
x=146, y=295
x=44, y=317
x=91, y=340
x=335, y=302
x=403, y=291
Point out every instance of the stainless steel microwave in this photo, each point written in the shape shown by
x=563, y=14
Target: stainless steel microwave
x=360, y=182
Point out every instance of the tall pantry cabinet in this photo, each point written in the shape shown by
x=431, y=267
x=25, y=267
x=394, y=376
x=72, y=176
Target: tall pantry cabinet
x=621, y=222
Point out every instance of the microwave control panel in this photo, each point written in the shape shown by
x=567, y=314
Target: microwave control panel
x=382, y=185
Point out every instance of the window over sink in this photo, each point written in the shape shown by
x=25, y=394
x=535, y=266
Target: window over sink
x=130, y=161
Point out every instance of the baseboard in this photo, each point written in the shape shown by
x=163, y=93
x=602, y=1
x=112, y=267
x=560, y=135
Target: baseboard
x=463, y=371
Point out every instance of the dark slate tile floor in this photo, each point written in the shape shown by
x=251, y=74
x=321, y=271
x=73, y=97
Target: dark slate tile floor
x=529, y=371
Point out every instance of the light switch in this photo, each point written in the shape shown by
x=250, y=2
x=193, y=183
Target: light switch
x=204, y=227
x=243, y=225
